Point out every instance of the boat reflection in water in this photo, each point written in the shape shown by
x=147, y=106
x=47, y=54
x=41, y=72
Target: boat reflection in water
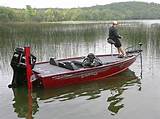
x=116, y=85
x=25, y=105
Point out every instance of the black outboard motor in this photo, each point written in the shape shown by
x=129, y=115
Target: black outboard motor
x=19, y=67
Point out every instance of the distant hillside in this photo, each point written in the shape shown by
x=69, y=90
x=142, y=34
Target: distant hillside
x=120, y=11
x=130, y=10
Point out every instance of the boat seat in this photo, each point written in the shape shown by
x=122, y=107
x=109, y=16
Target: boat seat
x=52, y=61
x=68, y=65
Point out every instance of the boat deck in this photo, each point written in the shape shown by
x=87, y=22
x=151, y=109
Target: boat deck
x=46, y=69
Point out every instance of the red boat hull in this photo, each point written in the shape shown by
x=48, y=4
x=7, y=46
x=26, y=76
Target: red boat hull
x=61, y=72
x=87, y=75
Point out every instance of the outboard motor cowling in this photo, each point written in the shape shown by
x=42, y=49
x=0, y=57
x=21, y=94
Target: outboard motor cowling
x=19, y=67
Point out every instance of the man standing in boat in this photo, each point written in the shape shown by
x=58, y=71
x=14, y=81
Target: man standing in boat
x=114, y=36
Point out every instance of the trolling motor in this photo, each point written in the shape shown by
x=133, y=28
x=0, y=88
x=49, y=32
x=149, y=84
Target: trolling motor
x=19, y=67
x=134, y=49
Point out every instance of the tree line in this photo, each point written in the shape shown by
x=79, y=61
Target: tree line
x=116, y=11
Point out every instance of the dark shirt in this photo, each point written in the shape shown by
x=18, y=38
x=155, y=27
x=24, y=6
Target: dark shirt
x=91, y=62
x=113, y=33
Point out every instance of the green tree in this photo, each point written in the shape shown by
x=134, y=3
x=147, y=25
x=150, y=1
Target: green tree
x=7, y=14
x=30, y=13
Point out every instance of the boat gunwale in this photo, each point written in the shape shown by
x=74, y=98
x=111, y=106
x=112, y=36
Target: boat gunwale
x=88, y=68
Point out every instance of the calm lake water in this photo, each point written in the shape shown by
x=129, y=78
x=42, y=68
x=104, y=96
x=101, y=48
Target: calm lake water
x=128, y=95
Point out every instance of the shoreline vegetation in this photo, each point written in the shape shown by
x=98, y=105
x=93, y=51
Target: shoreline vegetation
x=100, y=13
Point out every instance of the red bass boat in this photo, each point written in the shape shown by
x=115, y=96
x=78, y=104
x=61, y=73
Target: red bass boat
x=62, y=72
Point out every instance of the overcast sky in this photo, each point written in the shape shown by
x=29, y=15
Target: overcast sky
x=61, y=3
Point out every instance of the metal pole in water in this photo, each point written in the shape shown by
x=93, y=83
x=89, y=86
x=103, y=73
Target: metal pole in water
x=28, y=67
x=111, y=49
x=140, y=44
x=28, y=76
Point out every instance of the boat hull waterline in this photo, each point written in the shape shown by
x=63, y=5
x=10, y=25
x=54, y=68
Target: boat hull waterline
x=86, y=74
